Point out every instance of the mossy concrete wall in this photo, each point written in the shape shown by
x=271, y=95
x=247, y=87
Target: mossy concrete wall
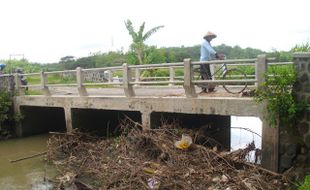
x=295, y=142
x=7, y=83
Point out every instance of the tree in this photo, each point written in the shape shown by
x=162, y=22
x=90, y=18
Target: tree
x=68, y=58
x=138, y=38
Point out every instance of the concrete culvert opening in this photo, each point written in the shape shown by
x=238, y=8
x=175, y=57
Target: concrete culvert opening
x=246, y=131
x=38, y=120
x=104, y=123
x=212, y=126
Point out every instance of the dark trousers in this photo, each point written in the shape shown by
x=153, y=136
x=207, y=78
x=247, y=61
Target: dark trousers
x=206, y=75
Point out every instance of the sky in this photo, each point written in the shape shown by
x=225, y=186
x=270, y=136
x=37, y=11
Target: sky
x=45, y=30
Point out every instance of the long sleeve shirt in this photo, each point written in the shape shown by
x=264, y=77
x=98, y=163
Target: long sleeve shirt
x=206, y=51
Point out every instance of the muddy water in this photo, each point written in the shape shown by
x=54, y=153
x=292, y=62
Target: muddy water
x=29, y=174
x=26, y=174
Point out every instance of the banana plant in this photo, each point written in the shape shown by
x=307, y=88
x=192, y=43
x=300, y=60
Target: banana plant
x=138, y=38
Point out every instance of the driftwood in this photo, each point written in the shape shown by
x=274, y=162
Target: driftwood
x=58, y=133
x=148, y=159
x=28, y=157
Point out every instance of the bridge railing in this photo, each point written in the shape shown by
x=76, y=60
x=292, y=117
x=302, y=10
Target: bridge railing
x=129, y=77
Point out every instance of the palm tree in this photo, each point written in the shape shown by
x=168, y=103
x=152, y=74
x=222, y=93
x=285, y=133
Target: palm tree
x=138, y=39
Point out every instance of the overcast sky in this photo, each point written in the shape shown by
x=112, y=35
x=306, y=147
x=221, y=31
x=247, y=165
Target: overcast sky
x=46, y=30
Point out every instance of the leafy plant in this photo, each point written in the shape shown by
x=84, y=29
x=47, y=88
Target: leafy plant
x=306, y=184
x=138, y=38
x=281, y=104
x=12, y=65
x=5, y=106
x=6, y=114
x=304, y=47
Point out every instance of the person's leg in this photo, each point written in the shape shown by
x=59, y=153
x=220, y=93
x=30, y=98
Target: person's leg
x=204, y=76
x=209, y=77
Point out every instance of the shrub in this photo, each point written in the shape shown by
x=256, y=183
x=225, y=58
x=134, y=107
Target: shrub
x=6, y=114
x=281, y=105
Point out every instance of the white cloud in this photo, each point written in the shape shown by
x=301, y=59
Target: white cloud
x=46, y=30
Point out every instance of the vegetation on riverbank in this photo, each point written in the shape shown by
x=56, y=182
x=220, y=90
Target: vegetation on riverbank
x=6, y=116
x=282, y=106
x=306, y=184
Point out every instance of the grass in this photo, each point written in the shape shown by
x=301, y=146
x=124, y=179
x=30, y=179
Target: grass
x=306, y=184
x=33, y=92
x=34, y=79
x=52, y=79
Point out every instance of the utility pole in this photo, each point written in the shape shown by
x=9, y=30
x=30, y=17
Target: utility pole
x=17, y=55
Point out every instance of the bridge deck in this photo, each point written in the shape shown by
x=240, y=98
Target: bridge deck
x=164, y=91
x=147, y=100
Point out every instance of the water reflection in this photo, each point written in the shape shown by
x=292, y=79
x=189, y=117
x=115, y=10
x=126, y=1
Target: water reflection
x=241, y=137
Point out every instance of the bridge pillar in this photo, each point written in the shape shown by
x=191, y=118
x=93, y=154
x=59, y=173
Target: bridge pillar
x=18, y=125
x=146, y=120
x=68, y=119
x=270, y=146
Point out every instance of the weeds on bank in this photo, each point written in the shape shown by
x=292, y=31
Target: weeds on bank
x=306, y=184
x=282, y=106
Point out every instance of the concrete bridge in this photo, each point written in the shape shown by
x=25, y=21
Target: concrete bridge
x=83, y=105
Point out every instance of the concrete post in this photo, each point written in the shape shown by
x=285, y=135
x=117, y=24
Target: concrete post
x=44, y=82
x=110, y=76
x=18, y=125
x=146, y=120
x=171, y=76
x=137, y=77
x=68, y=118
x=17, y=83
x=79, y=79
x=260, y=70
x=189, y=87
x=129, y=92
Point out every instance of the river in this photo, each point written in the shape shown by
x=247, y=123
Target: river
x=26, y=174
x=30, y=173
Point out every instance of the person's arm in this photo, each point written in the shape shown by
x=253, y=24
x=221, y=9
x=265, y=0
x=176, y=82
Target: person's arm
x=210, y=50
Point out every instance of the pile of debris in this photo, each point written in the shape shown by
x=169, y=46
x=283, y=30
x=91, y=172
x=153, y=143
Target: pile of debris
x=153, y=159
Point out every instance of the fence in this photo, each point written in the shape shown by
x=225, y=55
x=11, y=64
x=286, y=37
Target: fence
x=129, y=76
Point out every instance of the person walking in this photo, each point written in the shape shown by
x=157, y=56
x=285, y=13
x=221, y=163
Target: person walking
x=207, y=53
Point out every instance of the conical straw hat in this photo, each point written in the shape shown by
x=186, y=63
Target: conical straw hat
x=210, y=34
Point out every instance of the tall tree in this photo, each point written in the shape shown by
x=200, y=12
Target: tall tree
x=138, y=38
